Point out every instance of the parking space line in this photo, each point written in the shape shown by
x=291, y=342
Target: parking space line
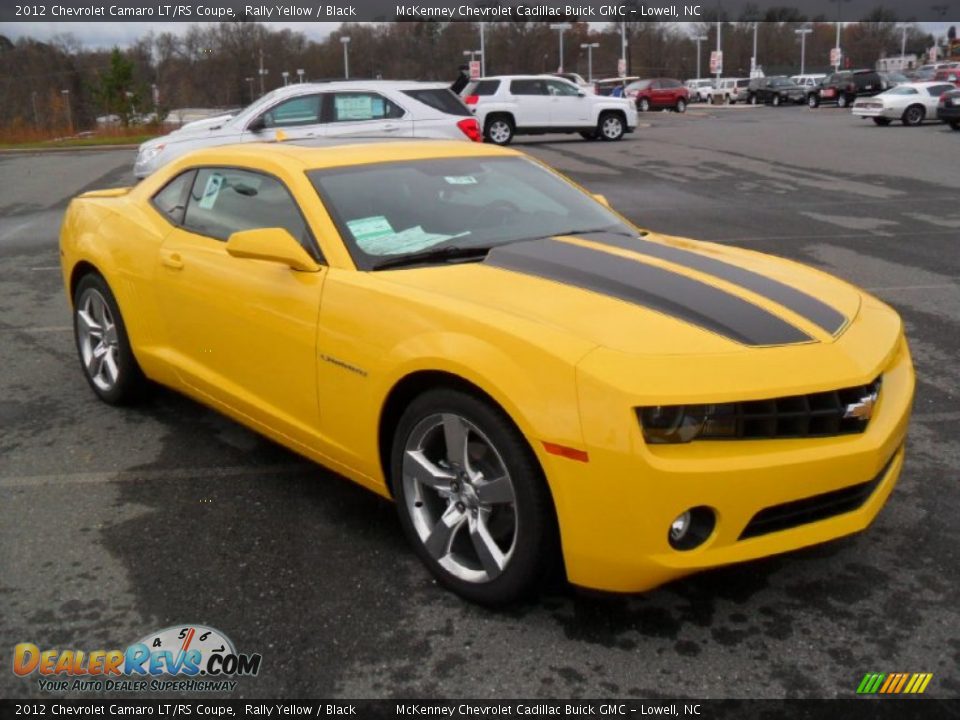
x=202, y=473
x=46, y=267
x=938, y=286
x=49, y=329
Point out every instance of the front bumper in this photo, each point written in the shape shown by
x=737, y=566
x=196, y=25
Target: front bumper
x=615, y=510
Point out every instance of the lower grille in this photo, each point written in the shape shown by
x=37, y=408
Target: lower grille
x=819, y=507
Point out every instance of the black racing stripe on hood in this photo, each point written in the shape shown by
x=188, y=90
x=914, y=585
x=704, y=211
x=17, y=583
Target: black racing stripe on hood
x=668, y=292
x=807, y=306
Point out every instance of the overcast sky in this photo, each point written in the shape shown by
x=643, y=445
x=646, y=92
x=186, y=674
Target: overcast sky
x=107, y=34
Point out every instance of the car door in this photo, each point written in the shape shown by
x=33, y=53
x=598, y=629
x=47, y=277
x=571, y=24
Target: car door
x=532, y=103
x=359, y=112
x=568, y=106
x=298, y=117
x=242, y=332
x=657, y=94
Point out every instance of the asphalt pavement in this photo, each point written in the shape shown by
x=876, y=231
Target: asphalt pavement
x=117, y=522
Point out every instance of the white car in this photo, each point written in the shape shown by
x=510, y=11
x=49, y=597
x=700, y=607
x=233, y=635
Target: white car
x=319, y=110
x=808, y=82
x=911, y=103
x=700, y=90
x=509, y=105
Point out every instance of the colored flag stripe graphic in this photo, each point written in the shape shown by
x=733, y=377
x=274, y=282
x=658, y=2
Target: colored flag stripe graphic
x=894, y=683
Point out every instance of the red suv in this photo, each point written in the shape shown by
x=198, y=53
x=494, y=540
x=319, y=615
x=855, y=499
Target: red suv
x=655, y=93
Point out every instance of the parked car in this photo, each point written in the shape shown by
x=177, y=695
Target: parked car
x=948, y=109
x=606, y=86
x=576, y=79
x=774, y=90
x=658, y=93
x=809, y=81
x=509, y=105
x=911, y=104
x=846, y=86
x=948, y=75
x=535, y=382
x=892, y=78
x=385, y=108
x=699, y=90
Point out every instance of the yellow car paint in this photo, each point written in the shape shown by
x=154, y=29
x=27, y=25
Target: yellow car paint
x=311, y=358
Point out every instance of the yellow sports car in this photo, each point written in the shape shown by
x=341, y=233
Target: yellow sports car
x=524, y=372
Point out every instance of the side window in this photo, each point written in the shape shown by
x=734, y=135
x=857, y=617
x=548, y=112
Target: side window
x=938, y=90
x=528, y=87
x=304, y=110
x=172, y=199
x=359, y=106
x=562, y=89
x=226, y=200
x=655, y=85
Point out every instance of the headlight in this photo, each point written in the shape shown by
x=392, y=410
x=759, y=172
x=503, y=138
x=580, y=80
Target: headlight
x=148, y=154
x=683, y=423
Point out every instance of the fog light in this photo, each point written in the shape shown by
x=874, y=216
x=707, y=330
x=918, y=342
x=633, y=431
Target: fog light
x=692, y=528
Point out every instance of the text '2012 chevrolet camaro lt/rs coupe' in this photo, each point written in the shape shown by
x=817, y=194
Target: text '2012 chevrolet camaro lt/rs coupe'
x=525, y=373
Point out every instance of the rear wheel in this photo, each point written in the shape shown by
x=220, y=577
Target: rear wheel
x=753, y=99
x=102, y=343
x=499, y=130
x=681, y=105
x=471, y=497
x=813, y=101
x=610, y=127
x=643, y=105
x=913, y=116
x=842, y=101
x=776, y=101
x=882, y=122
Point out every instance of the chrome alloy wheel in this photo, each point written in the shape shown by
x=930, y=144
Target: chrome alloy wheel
x=500, y=132
x=460, y=497
x=611, y=127
x=97, y=340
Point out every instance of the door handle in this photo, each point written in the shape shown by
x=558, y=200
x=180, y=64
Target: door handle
x=172, y=260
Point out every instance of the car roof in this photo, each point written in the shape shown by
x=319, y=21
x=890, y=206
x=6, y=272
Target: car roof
x=300, y=88
x=540, y=76
x=339, y=152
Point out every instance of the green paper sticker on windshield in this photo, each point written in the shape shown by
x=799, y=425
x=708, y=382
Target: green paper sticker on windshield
x=460, y=179
x=370, y=228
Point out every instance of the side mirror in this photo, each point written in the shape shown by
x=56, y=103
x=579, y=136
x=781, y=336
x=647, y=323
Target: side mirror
x=602, y=199
x=273, y=245
x=258, y=125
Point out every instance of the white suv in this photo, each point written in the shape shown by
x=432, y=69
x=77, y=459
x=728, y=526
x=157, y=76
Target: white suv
x=371, y=108
x=510, y=105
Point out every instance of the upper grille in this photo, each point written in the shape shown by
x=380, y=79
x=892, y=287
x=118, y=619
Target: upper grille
x=822, y=414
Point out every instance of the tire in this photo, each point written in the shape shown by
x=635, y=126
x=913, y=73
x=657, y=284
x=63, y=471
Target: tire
x=681, y=105
x=776, y=101
x=590, y=135
x=842, y=101
x=753, y=100
x=499, y=130
x=491, y=551
x=813, y=101
x=955, y=124
x=882, y=122
x=643, y=105
x=610, y=127
x=913, y=116
x=103, y=346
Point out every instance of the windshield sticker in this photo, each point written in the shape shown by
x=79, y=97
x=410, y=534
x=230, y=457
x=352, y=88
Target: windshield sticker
x=211, y=191
x=411, y=240
x=370, y=228
x=460, y=179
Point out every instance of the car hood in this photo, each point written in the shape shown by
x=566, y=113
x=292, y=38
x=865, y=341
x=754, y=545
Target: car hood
x=651, y=295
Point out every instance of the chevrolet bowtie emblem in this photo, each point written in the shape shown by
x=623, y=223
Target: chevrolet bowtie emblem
x=862, y=409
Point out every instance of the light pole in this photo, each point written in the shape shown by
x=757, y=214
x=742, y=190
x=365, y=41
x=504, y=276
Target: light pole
x=560, y=28
x=250, y=82
x=345, y=39
x=903, y=48
x=699, y=39
x=286, y=78
x=753, y=60
x=300, y=75
x=623, y=48
x=262, y=72
x=836, y=65
x=719, y=66
x=590, y=47
x=803, y=32
x=483, y=51
x=66, y=95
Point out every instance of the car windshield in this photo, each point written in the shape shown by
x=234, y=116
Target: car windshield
x=388, y=210
x=781, y=82
x=255, y=107
x=901, y=90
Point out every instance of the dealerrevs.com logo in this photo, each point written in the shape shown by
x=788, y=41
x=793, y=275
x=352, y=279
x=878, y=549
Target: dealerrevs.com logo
x=184, y=658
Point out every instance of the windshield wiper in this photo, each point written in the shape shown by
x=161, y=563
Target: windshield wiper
x=440, y=254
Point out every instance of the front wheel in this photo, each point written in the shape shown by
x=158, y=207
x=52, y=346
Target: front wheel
x=499, y=131
x=753, y=99
x=610, y=127
x=471, y=497
x=842, y=101
x=776, y=101
x=102, y=343
x=813, y=102
x=882, y=122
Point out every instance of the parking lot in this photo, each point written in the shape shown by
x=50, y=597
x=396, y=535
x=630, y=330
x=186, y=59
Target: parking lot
x=117, y=522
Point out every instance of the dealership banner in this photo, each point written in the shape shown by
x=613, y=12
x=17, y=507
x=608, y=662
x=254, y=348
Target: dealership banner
x=533, y=709
x=469, y=10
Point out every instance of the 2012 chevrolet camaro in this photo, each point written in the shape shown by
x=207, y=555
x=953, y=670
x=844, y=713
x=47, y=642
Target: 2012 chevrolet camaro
x=527, y=374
